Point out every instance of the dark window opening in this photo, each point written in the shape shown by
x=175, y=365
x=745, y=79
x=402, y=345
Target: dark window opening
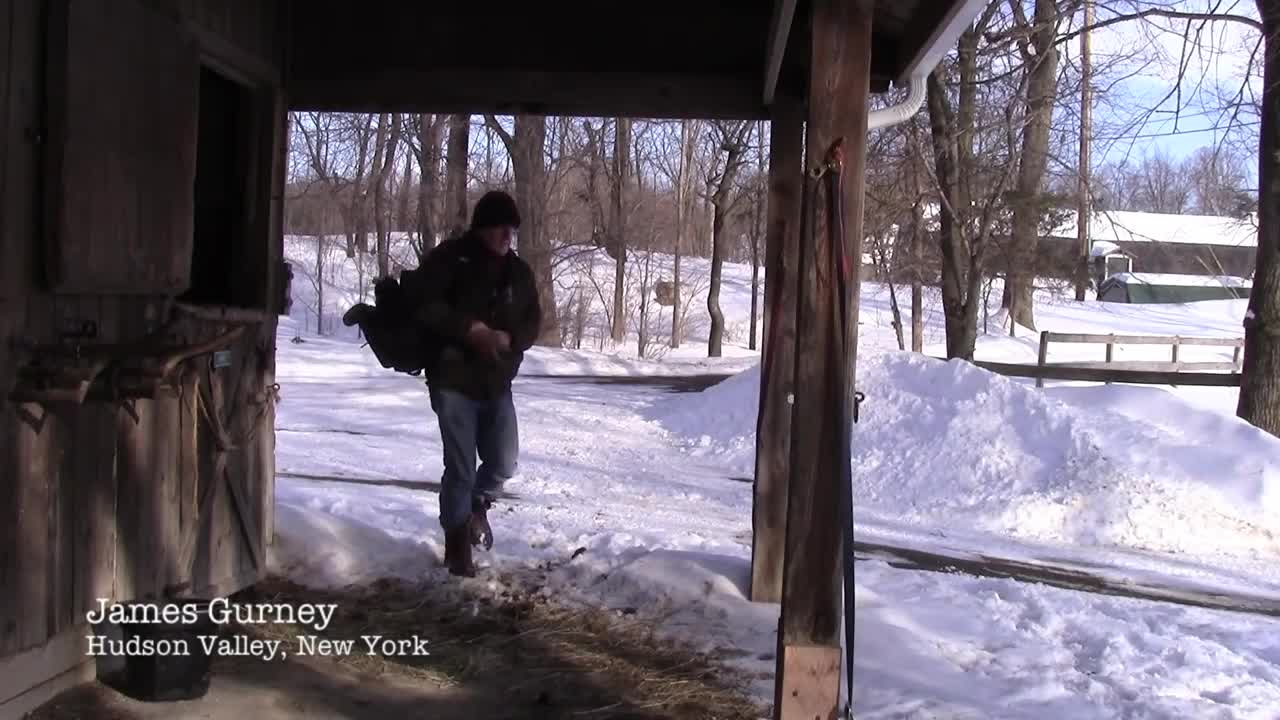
x=226, y=257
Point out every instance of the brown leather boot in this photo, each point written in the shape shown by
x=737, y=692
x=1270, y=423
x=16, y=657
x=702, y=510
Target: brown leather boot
x=481, y=533
x=457, y=551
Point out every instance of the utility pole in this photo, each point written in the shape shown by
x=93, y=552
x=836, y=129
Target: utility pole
x=1082, y=187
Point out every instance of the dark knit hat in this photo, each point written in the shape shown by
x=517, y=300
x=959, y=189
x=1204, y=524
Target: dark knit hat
x=494, y=209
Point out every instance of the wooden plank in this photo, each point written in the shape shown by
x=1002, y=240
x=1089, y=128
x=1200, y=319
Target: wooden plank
x=773, y=425
x=231, y=59
x=33, y=526
x=166, y=488
x=1144, y=339
x=1044, y=349
x=119, y=180
x=20, y=108
x=100, y=505
x=7, y=71
x=811, y=689
x=139, y=484
x=589, y=94
x=1150, y=365
x=840, y=61
x=94, y=500
x=559, y=36
x=9, y=577
x=11, y=320
x=1137, y=377
x=240, y=476
x=779, y=30
x=188, y=470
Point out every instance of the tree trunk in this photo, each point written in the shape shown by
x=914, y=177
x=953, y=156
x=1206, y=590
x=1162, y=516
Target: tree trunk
x=430, y=129
x=621, y=170
x=1260, y=383
x=715, y=339
x=456, y=173
x=320, y=284
x=1042, y=87
x=720, y=203
x=683, y=181
x=526, y=149
x=384, y=159
x=917, y=276
x=952, y=136
x=404, y=218
x=357, y=232
x=642, y=329
x=757, y=230
x=897, y=313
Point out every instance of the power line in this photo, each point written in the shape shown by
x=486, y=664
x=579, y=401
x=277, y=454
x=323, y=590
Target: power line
x=1175, y=133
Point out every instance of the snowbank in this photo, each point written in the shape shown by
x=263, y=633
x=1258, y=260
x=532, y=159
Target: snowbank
x=950, y=445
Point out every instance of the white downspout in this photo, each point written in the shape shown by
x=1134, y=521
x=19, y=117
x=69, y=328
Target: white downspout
x=901, y=112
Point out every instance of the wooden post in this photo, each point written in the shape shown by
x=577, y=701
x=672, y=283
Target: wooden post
x=1111, y=344
x=808, y=669
x=1174, y=356
x=773, y=425
x=1044, y=355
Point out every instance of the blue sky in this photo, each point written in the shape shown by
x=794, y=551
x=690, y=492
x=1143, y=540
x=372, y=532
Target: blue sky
x=1149, y=60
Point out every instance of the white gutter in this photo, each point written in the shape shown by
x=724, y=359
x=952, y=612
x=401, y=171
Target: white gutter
x=931, y=53
x=901, y=112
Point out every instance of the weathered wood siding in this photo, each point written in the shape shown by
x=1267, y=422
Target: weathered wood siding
x=122, y=111
x=103, y=500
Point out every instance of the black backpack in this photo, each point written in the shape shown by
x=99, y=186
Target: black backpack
x=398, y=341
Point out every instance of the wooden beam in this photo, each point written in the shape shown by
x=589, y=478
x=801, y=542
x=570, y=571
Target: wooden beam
x=1094, y=374
x=779, y=30
x=773, y=425
x=839, y=83
x=506, y=92
x=808, y=691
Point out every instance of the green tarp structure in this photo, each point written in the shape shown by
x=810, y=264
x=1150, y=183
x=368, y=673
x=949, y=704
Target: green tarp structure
x=1127, y=289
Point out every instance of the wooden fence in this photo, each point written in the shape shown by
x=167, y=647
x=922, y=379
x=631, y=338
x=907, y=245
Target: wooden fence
x=1142, y=372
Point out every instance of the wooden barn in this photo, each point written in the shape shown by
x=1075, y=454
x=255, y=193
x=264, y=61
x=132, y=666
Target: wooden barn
x=1202, y=245
x=141, y=181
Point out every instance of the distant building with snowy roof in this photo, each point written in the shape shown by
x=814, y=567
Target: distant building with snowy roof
x=1159, y=243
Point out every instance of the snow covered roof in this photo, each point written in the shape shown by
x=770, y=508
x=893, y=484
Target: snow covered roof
x=1103, y=248
x=1181, y=280
x=1125, y=226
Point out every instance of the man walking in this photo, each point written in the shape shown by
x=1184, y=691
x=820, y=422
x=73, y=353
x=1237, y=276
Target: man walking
x=481, y=300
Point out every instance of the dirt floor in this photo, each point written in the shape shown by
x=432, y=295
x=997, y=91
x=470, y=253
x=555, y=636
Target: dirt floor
x=490, y=656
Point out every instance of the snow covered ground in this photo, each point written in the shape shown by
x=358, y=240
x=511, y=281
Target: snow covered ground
x=634, y=499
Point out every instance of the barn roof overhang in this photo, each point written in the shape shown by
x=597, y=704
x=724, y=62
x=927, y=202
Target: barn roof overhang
x=661, y=58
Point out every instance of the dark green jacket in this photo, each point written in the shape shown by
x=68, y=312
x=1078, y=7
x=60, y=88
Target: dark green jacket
x=463, y=282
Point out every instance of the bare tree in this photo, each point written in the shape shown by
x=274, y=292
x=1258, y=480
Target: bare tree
x=761, y=188
x=618, y=223
x=730, y=138
x=680, y=172
x=1260, y=379
x=966, y=218
x=429, y=131
x=1218, y=181
x=384, y=154
x=1036, y=43
x=456, y=173
x=526, y=147
x=1161, y=185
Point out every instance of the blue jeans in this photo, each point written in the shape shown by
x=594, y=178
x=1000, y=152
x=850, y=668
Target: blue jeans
x=467, y=428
